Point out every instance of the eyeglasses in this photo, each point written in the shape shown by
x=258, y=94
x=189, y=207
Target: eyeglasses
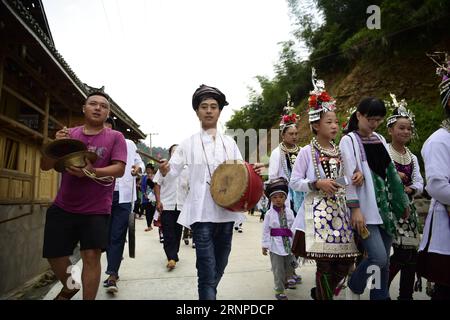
x=374, y=119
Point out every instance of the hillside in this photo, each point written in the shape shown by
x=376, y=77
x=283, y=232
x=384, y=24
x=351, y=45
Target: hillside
x=409, y=74
x=356, y=62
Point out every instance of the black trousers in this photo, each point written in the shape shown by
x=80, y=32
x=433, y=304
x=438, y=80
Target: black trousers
x=172, y=233
x=149, y=213
x=404, y=261
x=329, y=273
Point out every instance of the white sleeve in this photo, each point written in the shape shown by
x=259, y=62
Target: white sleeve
x=438, y=180
x=177, y=161
x=158, y=178
x=348, y=153
x=265, y=243
x=274, y=163
x=299, y=181
x=138, y=161
x=417, y=177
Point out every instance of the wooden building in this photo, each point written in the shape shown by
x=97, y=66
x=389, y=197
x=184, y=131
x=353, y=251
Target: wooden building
x=39, y=94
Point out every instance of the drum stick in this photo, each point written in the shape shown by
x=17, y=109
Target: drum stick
x=145, y=154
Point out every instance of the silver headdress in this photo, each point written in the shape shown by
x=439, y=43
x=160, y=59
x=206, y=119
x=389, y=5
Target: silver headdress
x=319, y=100
x=402, y=112
x=442, y=61
x=288, y=119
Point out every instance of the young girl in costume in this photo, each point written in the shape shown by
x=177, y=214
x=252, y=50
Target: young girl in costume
x=282, y=160
x=283, y=157
x=376, y=204
x=322, y=226
x=406, y=239
x=277, y=235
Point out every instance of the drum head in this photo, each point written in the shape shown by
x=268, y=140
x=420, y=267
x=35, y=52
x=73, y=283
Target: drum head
x=76, y=159
x=229, y=183
x=62, y=147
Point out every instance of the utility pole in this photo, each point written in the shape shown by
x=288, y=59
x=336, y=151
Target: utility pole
x=150, y=138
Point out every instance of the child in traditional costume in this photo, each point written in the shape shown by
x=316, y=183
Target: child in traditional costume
x=283, y=157
x=282, y=160
x=434, y=250
x=277, y=235
x=378, y=203
x=406, y=239
x=322, y=226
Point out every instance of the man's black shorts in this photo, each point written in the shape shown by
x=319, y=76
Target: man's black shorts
x=63, y=231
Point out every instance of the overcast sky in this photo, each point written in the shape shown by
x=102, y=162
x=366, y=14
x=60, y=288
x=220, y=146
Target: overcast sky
x=151, y=55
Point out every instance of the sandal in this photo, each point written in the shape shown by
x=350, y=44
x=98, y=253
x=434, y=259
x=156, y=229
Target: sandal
x=66, y=294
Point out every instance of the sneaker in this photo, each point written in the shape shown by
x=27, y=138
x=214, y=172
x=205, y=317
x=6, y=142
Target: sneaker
x=148, y=229
x=105, y=283
x=240, y=230
x=291, y=284
x=298, y=278
x=236, y=228
x=171, y=265
x=186, y=242
x=350, y=295
x=281, y=296
x=111, y=286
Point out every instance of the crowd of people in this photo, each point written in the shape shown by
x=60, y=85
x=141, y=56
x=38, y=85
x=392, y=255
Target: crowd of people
x=344, y=205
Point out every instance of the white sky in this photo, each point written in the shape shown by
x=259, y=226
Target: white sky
x=151, y=55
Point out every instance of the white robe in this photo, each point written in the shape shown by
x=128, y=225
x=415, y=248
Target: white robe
x=199, y=205
x=126, y=185
x=351, y=155
x=302, y=174
x=436, y=155
x=271, y=220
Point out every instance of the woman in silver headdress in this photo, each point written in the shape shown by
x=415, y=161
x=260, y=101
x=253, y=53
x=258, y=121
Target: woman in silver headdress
x=322, y=227
x=283, y=157
x=406, y=238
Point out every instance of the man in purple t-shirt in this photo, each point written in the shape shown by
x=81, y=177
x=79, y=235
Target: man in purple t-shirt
x=81, y=210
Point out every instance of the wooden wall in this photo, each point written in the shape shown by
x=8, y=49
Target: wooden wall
x=21, y=180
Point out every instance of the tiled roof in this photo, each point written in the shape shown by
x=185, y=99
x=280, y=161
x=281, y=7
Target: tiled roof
x=21, y=10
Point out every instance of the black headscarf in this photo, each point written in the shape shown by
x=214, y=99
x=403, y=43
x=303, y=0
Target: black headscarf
x=205, y=92
x=276, y=185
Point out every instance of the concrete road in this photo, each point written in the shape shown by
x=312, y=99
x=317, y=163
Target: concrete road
x=247, y=276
